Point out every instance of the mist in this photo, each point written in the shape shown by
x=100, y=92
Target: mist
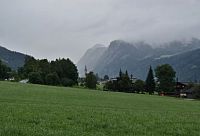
x=52, y=29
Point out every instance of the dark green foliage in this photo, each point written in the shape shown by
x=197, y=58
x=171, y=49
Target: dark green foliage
x=31, y=65
x=35, y=78
x=91, y=80
x=65, y=69
x=139, y=86
x=166, y=78
x=44, y=68
x=15, y=76
x=124, y=82
x=112, y=85
x=67, y=82
x=120, y=84
x=196, y=91
x=108, y=86
x=106, y=77
x=61, y=71
x=52, y=79
x=4, y=71
x=21, y=73
x=150, y=82
x=120, y=73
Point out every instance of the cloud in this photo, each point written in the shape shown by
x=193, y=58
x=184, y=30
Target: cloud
x=67, y=28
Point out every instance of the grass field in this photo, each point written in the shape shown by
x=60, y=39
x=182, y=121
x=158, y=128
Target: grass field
x=33, y=110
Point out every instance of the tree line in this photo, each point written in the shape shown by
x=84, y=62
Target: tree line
x=165, y=81
x=59, y=72
x=63, y=72
x=5, y=71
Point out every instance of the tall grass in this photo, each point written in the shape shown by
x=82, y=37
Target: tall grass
x=35, y=110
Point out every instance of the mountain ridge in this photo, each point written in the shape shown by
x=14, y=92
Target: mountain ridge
x=12, y=58
x=137, y=57
x=90, y=58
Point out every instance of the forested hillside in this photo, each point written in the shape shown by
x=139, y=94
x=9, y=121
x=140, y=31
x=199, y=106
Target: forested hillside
x=11, y=58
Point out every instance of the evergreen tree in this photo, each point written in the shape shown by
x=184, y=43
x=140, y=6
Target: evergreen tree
x=120, y=73
x=150, y=82
x=31, y=65
x=121, y=84
x=126, y=73
x=44, y=69
x=91, y=80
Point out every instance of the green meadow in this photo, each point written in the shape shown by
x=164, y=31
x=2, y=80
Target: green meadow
x=35, y=110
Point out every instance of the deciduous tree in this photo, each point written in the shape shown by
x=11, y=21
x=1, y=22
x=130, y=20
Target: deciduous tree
x=166, y=78
x=4, y=71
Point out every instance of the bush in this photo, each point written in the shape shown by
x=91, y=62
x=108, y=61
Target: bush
x=91, y=81
x=67, y=82
x=35, y=78
x=139, y=86
x=196, y=91
x=52, y=79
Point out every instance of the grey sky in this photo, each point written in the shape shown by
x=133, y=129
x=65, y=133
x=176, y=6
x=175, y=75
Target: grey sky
x=67, y=28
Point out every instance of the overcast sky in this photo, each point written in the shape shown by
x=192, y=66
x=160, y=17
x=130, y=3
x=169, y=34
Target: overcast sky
x=67, y=28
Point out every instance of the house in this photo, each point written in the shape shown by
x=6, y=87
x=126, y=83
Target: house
x=185, y=90
x=179, y=90
x=113, y=79
x=187, y=93
x=181, y=86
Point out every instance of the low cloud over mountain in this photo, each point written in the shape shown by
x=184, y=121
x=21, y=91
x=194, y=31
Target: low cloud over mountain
x=137, y=57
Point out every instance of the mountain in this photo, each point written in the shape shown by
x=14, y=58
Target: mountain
x=186, y=64
x=90, y=58
x=137, y=57
x=119, y=54
x=11, y=58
